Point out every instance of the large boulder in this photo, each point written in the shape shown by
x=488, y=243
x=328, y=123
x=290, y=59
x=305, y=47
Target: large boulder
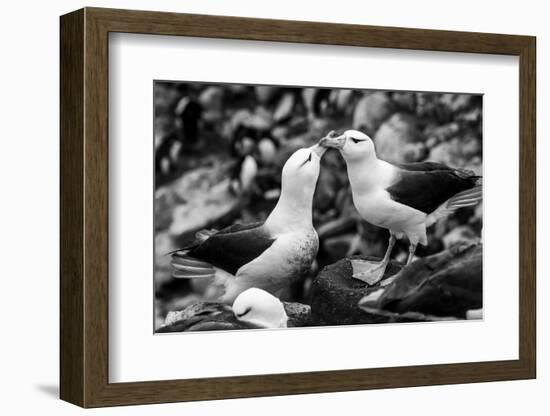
x=446, y=285
x=335, y=295
x=443, y=286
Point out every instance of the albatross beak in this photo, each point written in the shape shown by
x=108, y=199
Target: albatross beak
x=318, y=150
x=335, y=142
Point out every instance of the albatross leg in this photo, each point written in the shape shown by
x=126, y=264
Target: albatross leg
x=372, y=272
x=412, y=249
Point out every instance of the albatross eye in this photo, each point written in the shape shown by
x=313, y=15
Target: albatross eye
x=355, y=140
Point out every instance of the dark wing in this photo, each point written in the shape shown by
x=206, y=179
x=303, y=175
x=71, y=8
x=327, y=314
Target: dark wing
x=426, y=190
x=233, y=247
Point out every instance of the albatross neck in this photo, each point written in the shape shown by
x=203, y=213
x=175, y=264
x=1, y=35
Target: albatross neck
x=368, y=172
x=293, y=210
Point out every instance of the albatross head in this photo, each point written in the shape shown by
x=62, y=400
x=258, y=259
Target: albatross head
x=260, y=308
x=301, y=170
x=298, y=181
x=353, y=144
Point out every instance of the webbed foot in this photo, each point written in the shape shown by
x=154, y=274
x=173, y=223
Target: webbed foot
x=367, y=271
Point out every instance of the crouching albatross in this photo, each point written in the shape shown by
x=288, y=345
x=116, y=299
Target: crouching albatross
x=404, y=198
x=253, y=309
x=267, y=255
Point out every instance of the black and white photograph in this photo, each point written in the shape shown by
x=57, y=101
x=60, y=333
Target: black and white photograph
x=299, y=206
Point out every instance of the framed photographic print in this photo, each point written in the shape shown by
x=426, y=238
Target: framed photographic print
x=257, y=207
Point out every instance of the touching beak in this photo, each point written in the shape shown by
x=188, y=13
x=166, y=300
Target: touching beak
x=318, y=150
x=335, y=142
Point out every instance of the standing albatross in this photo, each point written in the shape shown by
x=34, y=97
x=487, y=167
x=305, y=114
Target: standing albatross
x=268, y=255
x=404, y=198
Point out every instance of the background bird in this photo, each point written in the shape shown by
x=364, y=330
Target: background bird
x=183, y=135
x=404, y=198
x=253, y=308
x=269, y=255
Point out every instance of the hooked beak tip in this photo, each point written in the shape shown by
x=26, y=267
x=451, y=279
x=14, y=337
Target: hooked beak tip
x=333, y=142
x=318, y=150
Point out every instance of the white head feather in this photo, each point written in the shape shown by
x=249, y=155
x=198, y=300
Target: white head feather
x=353, y=145
x=260, y=308
x=298, y=180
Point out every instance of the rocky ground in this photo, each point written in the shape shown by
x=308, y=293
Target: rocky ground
x=220, y=150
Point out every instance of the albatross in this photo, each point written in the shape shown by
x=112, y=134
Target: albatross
x=404, y=198
x=253, y=309
x=267, y=255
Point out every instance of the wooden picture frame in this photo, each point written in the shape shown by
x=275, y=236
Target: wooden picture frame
x=84, y=207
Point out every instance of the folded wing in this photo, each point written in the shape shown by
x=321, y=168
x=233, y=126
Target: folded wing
x=426, y=186
x=228, y=249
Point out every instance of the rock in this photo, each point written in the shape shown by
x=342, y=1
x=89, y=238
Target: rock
x=280, y=133
x=460, y=235
x=202, y=316
x=336, y=227
x=299, y=314
x=338, y=246
x=260, y=120
x=192, y=309
x=396, y=139
x=164, y=201
x=210, y=316
x=457, y=152
x=472, y=116
x=164, y=244
x=430, y=106
x=371, y=111
x=165, y=97
x=199, y=198
x=442, y=286
x=437, y=134
x=457, y=102
x=335, y=295
x=415, y=152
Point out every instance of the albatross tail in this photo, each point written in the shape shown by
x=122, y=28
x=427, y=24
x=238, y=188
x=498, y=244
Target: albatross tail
x=186, y=267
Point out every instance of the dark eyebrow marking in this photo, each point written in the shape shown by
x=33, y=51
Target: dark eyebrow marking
x=245, y=312
x=305, y=161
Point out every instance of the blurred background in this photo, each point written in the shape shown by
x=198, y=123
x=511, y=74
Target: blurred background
x=220, y=148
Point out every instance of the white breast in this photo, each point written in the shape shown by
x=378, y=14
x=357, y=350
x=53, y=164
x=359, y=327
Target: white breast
x=379, y=209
